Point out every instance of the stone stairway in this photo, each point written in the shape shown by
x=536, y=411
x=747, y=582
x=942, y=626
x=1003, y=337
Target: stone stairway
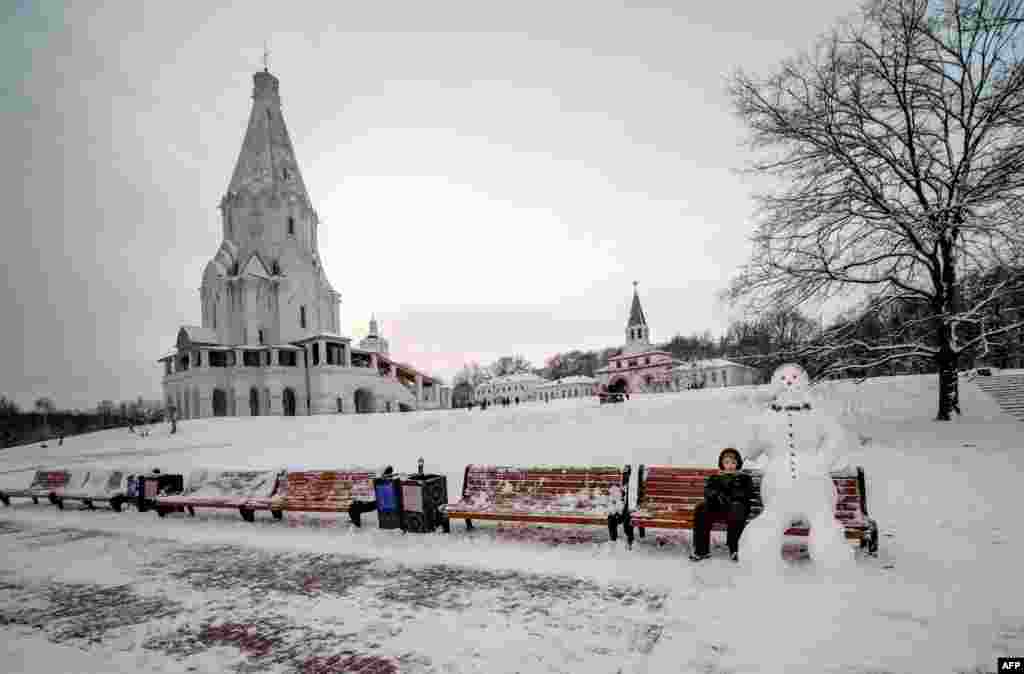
x=1007, y=389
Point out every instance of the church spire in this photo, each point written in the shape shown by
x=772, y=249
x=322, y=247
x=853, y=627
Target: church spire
x=636, y=312
x=638, y=335
x=267, y=163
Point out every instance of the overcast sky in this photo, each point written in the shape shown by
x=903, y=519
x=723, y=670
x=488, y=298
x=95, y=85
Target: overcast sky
x=490, y=176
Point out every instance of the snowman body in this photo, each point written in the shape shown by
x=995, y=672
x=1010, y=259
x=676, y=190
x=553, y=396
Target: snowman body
x=799, y=446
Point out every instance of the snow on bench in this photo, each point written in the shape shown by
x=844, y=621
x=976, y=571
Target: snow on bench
x=89, y=486
x=595, y=495
x=43, y=484
x=247, y=490
x=668, y=495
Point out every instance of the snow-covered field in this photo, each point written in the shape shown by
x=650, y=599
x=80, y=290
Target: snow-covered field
x=944, y=595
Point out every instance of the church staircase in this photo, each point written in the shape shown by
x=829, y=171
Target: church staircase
x=1008, y=391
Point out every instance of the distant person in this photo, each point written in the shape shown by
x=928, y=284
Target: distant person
x=726, y=498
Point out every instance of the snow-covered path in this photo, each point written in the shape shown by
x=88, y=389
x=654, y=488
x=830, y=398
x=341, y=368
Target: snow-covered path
x=147, y=604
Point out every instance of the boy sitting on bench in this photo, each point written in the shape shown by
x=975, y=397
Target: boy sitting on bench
x=726, y=497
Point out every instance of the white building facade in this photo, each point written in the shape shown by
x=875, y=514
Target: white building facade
x=577, y=386
x=713, y=373
x=516, y=388
x=269, y=340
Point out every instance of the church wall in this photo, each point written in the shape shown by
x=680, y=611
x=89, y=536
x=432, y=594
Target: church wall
x=192, y=390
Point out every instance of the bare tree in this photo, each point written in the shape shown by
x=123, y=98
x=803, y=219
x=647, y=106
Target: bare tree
x=899, y=142
x=8, y=408
x=510, y=365
x=45, y=407
x=472, y=374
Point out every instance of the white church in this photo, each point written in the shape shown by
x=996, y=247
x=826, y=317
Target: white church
x=269, y=342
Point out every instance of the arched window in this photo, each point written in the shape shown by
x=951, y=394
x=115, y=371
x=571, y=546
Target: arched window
x=288, y=402
x=220, y=403
x=291, y=226
x=254, y=402
x=302, y=317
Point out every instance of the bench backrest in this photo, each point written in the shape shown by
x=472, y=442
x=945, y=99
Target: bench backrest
x=230, y=483
x=49, y=479
x=327, y=489
x=538, y=487
x=678, y=489
x=98, y=482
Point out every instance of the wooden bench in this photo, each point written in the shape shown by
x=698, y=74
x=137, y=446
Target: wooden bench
x=668, y=495
x=92, y=486
x=44, y=484
x=246, y=490
x=595, y=495
x=327, y=491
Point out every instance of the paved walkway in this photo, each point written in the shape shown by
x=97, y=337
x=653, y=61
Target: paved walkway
x=231, y=608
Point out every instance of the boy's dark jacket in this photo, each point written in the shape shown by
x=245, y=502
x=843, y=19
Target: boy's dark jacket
x=726, y=488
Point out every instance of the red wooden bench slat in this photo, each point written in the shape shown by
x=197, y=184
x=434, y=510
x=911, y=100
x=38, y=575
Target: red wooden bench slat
x=557, y=495
x=326, y=491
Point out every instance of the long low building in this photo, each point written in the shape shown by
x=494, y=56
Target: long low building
x=517, y=388
x=569, y=387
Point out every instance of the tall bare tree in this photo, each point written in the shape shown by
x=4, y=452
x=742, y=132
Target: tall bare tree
x=509, y=365
x=898, y=143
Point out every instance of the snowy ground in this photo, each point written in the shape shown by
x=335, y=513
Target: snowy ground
x=103, y=592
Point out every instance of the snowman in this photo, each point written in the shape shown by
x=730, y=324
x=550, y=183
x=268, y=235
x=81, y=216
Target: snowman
x=797, y=446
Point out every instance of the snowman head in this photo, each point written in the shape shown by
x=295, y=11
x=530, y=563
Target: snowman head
x=790, y=383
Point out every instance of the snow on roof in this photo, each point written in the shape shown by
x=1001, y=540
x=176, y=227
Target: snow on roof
x=518, y=377
x=575, y=379
x=198, y=335
x=709, y=362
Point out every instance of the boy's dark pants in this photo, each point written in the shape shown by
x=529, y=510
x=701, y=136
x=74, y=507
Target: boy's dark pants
x=735, y=517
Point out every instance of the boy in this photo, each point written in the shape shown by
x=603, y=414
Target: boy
x=726, y=497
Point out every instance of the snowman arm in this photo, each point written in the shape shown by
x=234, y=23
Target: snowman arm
x=835, y=446
x=756, y=446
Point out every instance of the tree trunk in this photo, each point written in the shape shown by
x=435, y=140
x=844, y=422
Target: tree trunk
x=946, y=359
x=949, y=389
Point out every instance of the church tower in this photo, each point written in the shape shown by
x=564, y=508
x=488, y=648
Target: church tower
x=638, y=335
x=374, y=341
x=266, y=284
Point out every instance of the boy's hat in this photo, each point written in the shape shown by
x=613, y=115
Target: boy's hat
x=735, y=453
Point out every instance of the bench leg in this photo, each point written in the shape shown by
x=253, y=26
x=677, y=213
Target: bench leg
x=89, y=504
x=35, y=499
x=191, y=511
x=613, y=527
x=641, y=532
x=469, y=525
x=446, y=525
x=57, y=501
x=115, y=504
x=278, y=514
x=872, y=539
x=161, y=511
x=357, y=508
x=247, y=514
x=6, y=499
